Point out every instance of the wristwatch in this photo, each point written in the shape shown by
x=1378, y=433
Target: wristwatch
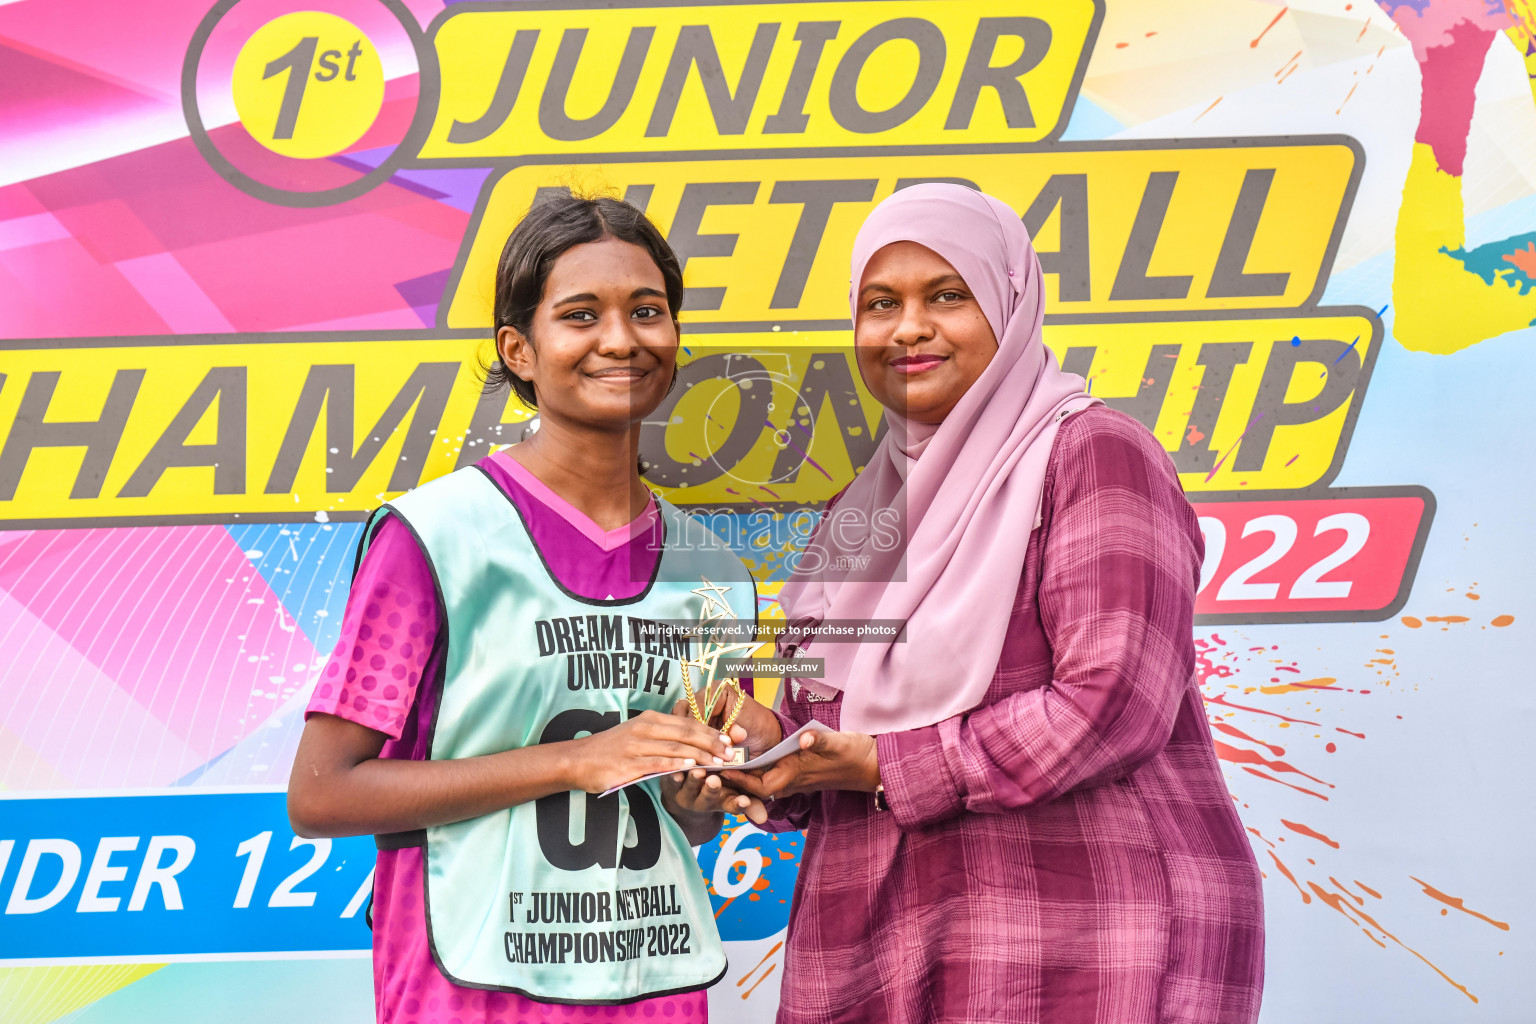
x=879, y=794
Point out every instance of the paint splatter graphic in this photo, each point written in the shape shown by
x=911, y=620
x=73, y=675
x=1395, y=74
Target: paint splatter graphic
x=1270, y=723
x=1510, y=260
x=1434, y=271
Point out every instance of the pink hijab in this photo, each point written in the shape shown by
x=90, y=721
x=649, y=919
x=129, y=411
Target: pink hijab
x=966, y=492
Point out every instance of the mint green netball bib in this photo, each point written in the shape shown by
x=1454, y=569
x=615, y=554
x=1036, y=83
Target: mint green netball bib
x=572, y=898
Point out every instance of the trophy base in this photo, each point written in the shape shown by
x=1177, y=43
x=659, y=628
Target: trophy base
x=738, y=756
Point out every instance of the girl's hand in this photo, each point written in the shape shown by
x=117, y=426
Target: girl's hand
x=650, y=742
x=696, y=800
x=698, y=792
x=825, y=760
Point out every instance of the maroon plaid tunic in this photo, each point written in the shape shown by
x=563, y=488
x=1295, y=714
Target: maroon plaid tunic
x=1068, y=852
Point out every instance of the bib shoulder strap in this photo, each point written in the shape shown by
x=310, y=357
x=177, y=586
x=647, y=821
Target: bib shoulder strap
x=440, y=509
x=448, y=518
x=370, y=528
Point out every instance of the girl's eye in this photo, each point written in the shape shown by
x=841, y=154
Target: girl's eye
x=584, y=315
x=646, y=313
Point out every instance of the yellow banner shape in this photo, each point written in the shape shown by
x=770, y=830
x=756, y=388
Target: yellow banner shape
x=327, y=426
x=266, y=427
x=532, y=80
x=1125, y=226
x=1240, y=401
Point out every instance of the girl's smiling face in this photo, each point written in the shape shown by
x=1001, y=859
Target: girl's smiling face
x=920, y=337
x=604, y=345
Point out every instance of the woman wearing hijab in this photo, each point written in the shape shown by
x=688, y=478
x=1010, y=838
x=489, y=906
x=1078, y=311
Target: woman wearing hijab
x=1020, y=817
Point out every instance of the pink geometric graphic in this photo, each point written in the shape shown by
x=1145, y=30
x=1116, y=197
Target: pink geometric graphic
x=156, y=649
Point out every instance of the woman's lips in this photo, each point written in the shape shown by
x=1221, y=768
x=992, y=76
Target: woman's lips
x=915, y=364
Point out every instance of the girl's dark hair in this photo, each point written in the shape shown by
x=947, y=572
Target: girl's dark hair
x=556, y=223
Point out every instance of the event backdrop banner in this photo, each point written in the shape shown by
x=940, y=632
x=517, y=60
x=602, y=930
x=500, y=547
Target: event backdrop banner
x=246, y=262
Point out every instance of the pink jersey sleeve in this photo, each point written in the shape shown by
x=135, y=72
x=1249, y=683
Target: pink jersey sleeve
x=386, y=634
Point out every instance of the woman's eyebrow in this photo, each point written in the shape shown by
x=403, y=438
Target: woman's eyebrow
x=647, y=290
x=934, y=283
x=583, y=297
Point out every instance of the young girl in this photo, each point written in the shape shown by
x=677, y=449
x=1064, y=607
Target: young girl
x=499, y=667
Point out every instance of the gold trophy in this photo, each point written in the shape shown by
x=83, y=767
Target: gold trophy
x=711, y=650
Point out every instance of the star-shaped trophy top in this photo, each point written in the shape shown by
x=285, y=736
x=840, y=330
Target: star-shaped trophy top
x=713, y=595
x=710, y=651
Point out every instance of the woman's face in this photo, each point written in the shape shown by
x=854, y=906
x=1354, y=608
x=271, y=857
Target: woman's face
x=606, y=344
x=920, y=337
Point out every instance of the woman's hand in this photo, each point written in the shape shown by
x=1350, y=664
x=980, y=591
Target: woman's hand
x=700, y=792
x=825, y=760
x=756, y=727
x=650, y=742
x=696, y=799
